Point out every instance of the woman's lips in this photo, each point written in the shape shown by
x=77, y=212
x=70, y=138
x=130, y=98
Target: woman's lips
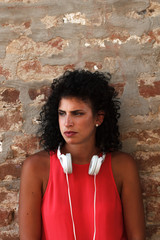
x=69, y=133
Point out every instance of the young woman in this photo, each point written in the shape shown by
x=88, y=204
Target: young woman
x=81, y=186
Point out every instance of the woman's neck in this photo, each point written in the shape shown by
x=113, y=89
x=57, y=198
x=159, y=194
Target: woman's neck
x=80, y=154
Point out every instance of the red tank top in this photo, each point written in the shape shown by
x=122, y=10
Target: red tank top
x=56, y=215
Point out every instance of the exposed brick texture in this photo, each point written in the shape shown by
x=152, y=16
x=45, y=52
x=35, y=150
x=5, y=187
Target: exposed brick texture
x=6, y=217
x=39, y=40
x=43, y=93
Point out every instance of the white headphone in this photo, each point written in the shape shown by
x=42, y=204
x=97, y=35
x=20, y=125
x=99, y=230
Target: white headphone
x=66, y=163
x=94, y=167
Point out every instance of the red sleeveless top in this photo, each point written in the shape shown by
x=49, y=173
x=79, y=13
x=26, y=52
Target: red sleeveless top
x=56, y=215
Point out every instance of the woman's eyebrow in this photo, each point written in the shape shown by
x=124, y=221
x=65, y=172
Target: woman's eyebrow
x=59, y=110
x=77, y=110
x=74, y=111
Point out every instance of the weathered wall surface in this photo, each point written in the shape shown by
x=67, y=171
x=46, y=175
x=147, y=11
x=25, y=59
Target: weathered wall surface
x=39, y=40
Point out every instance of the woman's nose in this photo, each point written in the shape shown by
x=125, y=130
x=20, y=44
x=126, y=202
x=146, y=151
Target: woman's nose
x=68, y=121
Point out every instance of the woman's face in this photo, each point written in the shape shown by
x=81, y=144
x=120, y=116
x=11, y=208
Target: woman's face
x=76, y=121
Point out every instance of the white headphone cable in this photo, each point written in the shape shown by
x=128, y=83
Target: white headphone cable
x=70, y=203
x=69, y=196
x=95, y=190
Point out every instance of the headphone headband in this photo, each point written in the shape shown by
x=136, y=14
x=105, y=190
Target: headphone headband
x=66, y=162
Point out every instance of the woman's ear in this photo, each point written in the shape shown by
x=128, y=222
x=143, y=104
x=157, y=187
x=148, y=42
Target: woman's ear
x=100, y=118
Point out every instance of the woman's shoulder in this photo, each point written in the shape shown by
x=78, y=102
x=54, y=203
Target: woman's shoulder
x=37, y=158
x=123, y=163
x=121, y=157
x=38, y=163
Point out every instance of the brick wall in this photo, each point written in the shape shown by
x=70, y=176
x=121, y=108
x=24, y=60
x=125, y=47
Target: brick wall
x=39, y=40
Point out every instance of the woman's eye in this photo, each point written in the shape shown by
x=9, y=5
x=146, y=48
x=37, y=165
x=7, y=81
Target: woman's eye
x=78, y=113
x=61, y=113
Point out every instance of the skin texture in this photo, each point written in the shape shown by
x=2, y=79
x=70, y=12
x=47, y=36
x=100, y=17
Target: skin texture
x=76, y=116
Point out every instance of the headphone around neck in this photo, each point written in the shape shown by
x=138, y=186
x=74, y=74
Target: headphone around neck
x=66, y=162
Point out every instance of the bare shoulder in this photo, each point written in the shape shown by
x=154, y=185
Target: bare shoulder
x=124, y=166
x=37, y=159
x=122, y=159
x=37, y=163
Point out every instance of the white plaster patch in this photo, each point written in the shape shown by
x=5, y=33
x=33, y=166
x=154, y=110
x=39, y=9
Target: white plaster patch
x=147, y=79
x=8, y=178
x=95, y=42
x=76, y=18
x=95, y=67
x=35, y=121
x=0, y=147
x=144, y=39
x=117, y=41
x=87, y=44
x=134, y=37
x=101, y=44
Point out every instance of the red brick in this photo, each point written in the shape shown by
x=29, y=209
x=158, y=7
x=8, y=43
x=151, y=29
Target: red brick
x=27, y=24
x=4, y=72
x=152, y=231
x=6, y=217
x=30, y=70
x=154, y=36
x=69, y=67
x=147, y=136
x=11, y=169
x=93, y=66
x=6, y=236
x=149, y=90
x=2, y=196
x=147, y=161
x=25, y=46
x=10, y=95
x=150, y=185
x=12, y=120
x=25, y=145
x=34, y=93
x=119, y=87
x=121, y=36
x=57, y=43
x=153, y=210
x=33, y=65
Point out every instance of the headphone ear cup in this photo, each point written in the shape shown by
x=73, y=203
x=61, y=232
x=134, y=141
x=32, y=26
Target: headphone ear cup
x=95, y=164
x=69, y=162
x=65, y=161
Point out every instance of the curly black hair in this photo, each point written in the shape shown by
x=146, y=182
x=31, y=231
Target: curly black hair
x=87, y=86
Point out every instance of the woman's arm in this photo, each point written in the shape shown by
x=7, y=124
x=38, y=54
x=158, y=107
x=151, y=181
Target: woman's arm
x=30, y=200
x=132, y=200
